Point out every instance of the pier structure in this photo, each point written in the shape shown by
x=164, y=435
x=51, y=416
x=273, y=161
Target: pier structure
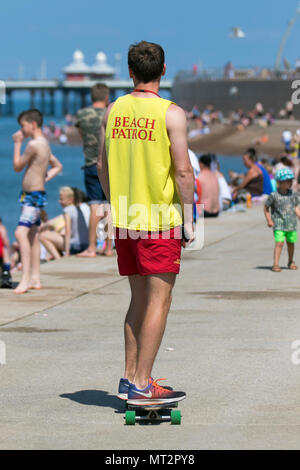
x=73, y=89
x=74, y=94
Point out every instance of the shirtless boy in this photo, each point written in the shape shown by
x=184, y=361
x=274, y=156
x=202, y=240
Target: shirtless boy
x=36, y=159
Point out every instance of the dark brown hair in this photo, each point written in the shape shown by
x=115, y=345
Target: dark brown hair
x=205, y=160
x=146, y=60
x=31, y=115
x=251, y=152
x=79, y=196
x=99, y=92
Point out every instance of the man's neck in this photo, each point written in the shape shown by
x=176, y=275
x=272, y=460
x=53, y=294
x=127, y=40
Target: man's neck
x=99, y=104
x=151, y=86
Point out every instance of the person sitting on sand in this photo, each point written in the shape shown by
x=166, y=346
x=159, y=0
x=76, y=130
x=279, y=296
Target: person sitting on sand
x=76, y=237
x=208, y=188
x=253, y=180
x=267, y=186
x=225, y=197
x=57, y=224
x=270, y=170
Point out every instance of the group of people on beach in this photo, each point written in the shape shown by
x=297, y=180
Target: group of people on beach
x=273, y=183
x=200, y=121
x=75, y=230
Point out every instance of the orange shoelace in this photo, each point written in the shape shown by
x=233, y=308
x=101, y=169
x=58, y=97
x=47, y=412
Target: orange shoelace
x=158, y=388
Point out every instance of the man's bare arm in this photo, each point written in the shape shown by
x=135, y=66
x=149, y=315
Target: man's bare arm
x=21, y=161
x=102, y=163
x=184, y=174
x=56, y=168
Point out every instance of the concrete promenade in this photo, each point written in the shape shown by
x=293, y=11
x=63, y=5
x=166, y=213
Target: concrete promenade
x=228, y=344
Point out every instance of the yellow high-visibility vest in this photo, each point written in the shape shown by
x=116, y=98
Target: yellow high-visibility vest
x=143, y=193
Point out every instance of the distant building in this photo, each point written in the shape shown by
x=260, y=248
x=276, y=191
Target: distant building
x=101, y=69
x=78, y=70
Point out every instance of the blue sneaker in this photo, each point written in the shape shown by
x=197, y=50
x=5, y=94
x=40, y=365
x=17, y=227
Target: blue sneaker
x=153, y=394
x=123, y=389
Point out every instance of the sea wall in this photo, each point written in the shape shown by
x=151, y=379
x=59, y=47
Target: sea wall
x=230, y=95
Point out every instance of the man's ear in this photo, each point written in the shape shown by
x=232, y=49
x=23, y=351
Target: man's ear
x=130, y=72
x=164, y=70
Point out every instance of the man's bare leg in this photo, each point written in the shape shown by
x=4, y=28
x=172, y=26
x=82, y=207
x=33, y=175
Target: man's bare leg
x=95, y=216
x=35, y=281
x=22, y=237
x=158, y=297
x=133, y=322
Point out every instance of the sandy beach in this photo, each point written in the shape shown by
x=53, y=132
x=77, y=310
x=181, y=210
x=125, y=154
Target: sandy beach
x=228, y=140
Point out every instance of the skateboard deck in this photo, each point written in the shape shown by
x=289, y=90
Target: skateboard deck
x=153, y=413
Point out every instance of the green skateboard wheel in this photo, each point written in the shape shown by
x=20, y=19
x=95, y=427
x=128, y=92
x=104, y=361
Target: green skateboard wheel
x=175, y=417
x=130, y=417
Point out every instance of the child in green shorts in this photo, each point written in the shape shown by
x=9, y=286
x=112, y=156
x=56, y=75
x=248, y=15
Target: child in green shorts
x=284, y=207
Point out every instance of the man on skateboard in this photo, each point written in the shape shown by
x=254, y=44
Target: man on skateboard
x=145, y=172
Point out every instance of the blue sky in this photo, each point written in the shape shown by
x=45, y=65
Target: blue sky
x=194, y=31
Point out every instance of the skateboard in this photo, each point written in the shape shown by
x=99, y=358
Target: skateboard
x=153, y=413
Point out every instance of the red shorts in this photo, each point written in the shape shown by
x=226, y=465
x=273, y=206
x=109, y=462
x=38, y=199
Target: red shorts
x=145, y=255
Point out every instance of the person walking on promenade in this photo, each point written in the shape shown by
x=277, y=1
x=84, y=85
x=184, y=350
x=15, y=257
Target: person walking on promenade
x=253, y=180
x=88, y=122
x=75, y=236
x=36, y=159
x=146, y=143
x=284, y=207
